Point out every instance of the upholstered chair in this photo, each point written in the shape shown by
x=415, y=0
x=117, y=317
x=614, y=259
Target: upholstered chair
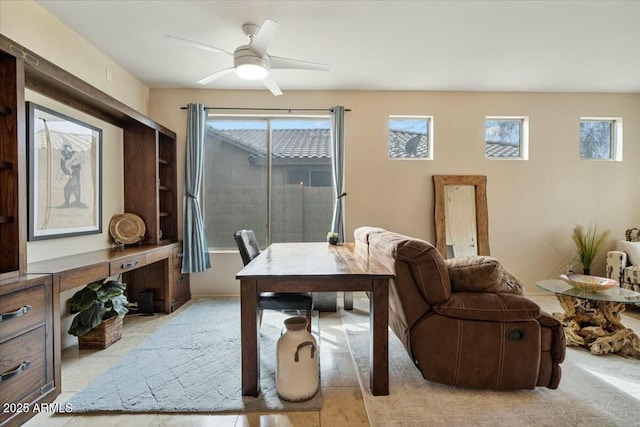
x=462, y=321
x=281, y=301
x=624, y=265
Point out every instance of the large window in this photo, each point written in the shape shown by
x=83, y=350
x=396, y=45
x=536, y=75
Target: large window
x=601, y=139
x=272, y=175
x=506, y=138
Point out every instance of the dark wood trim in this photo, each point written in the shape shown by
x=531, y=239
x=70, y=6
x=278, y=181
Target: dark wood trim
x=13, y=201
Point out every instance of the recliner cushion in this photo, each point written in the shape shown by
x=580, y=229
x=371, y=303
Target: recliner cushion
x=633, y=251
x=488, y=307
x=481, y=274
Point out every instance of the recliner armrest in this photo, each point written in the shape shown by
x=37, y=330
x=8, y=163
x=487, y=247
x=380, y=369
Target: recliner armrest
x=498, y=307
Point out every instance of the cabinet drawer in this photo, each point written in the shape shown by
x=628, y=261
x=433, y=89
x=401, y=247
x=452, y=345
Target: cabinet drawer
x=22, y=310
x=117, y=267
x=158, y=255
x=71, y=279
x=177, y=256
x=180, y=284
x=22, y=364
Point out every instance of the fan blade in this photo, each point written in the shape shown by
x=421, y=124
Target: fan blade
x=216, y=75
x=197, y=45
x=260, y=42
x=278, y=62
x=272, y=86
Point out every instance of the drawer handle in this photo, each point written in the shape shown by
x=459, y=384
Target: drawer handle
x=180, y=255
x=129, y=264
x=20, y=369
x=19, y=312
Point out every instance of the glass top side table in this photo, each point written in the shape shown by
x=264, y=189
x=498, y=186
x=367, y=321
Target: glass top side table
x=592, y=319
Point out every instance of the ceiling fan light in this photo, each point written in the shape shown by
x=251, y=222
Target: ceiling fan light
x=251, y=72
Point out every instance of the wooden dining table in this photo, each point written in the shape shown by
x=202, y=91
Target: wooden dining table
x=314, y=267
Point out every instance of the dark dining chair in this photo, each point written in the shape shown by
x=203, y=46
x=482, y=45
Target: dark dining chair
x=281, y=301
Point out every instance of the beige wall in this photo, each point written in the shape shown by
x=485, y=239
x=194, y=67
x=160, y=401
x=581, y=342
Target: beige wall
x=32, y=26
x=533, y=205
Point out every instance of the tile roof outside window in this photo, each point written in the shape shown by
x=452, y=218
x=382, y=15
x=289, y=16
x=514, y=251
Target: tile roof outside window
x=286, y=143
x=497, y=149
x=398, y=145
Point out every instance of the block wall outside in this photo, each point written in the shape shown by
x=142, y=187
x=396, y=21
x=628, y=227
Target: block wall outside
x=299, y=214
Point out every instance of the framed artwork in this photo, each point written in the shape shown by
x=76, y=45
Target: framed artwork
x=65, y=175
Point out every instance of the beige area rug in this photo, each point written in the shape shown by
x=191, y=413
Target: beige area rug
x=594, y=391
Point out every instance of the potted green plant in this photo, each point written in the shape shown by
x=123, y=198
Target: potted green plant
x=332, y=238
x=99, y=308
x=587, y=244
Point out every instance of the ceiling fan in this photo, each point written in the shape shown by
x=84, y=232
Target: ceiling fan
x=251, y=61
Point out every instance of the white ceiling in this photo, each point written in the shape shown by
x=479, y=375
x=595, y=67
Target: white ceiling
x=518, y=45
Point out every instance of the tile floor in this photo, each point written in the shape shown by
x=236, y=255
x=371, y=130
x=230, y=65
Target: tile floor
x=342, y=400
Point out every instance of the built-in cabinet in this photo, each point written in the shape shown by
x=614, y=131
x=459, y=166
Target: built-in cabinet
x=27, y=373
x=181, y=291
x=30, y=351
x=27, y=330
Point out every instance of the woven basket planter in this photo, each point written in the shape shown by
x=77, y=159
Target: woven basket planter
x=108, y=332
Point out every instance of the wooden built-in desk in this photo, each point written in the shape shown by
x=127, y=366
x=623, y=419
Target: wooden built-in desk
x=73, y=271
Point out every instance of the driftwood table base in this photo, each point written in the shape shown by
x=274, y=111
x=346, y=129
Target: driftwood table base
x=597, y=326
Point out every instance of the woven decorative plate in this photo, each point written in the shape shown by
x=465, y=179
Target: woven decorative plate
x=127, y=228
x=589, y=283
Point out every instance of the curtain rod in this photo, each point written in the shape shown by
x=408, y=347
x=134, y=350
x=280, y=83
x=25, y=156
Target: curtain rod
x=268, y=109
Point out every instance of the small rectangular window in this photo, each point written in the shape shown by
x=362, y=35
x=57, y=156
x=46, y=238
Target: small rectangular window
x=506, y=137
x=410, y=137
x=601, y=139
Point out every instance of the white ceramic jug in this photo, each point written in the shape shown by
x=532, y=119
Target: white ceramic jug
x=298, y=362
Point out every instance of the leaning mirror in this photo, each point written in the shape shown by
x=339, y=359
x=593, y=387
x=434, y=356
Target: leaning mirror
x=461, y=217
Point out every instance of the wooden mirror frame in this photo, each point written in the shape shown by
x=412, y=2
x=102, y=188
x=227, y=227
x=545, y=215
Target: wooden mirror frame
x=482, y=218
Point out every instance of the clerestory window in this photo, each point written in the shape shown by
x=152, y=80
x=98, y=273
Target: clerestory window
x=601, y=138
x=506, y=138
x=411, y=137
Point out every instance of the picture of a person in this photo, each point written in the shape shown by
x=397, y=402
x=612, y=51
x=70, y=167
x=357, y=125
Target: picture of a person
x=71, y=164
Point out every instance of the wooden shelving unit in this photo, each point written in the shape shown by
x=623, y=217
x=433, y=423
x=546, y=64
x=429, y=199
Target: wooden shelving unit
x=167, y=196
x=149, y=164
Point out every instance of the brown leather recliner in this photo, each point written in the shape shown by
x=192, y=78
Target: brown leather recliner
x=471, y=339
